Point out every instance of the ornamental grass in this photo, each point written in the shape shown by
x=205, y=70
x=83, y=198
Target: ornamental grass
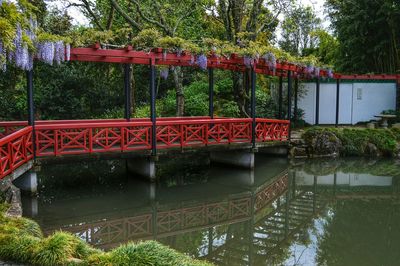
x=22, y=241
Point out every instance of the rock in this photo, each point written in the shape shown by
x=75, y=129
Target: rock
x=324, y=143
x=297, y=142
x=371, y=150
x=298, y=152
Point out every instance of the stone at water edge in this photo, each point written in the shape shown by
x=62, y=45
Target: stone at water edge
x=324, y=144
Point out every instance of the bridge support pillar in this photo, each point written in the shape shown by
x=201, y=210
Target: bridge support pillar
x=145, y=167
x=27, y=182
x=243, y=159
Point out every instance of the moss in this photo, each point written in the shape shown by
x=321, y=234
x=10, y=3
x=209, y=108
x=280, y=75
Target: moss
x=354, y=141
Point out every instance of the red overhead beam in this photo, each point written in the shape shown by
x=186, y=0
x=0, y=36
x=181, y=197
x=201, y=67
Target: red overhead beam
x=368, y=77
x=157, y=57
x=234, y=63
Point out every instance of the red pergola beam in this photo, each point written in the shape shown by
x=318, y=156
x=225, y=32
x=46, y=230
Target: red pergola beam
x=368, y=77
x=234, y=63
x=157, y=57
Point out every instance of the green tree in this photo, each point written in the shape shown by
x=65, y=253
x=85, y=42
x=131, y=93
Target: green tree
x=297, y=29
x=368, y=33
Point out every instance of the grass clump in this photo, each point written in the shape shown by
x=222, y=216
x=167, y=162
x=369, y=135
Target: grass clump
x=22, y=241
x=144, y=254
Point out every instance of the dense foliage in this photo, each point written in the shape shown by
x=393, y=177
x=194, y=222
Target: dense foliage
x=249, y=28
x=368, y=33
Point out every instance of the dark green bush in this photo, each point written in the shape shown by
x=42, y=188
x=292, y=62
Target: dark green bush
x=354, y=141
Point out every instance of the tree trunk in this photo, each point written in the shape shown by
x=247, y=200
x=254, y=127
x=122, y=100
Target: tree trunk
x=133, y=88
x=180, y=98
x=240, y=93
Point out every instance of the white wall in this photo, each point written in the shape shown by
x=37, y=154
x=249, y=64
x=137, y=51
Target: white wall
x=357, y=102
x=371, y=99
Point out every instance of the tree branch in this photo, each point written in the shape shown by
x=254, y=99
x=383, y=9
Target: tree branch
x=86, y=6
x=191, y=10
x=150, y=20
x=125, y=15
x=110, y=17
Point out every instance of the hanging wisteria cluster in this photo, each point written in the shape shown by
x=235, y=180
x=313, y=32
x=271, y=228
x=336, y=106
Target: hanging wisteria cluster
x=270, y=59
x=248, y=61
x=164, y=73
x=202, y=61
x=22, y=55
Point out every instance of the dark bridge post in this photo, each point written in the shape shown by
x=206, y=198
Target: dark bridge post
x=127, y=85
x=253, y=105
x=211, y=92
x=153, y=109
x=289, y=96
x=31, y=116
x=296, y=98
x=337, y=101
x=317, y=102
x=31, y=108
x=280, y=100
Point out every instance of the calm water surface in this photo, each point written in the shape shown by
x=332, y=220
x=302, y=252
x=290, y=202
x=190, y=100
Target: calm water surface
x=332, y=212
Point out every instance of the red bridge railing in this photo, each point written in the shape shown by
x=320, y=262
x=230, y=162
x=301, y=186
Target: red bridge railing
x=15, y=150
x=54, y=138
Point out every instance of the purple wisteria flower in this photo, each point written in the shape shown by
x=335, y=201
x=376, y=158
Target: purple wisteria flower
x=248, y=61
x=270, y=59
x=164, y=73
x=67, y=52
x=3, y=57
x=202, y=61
x=59, y=52
x=330, y=73
x=317, y=72
x=46, y=52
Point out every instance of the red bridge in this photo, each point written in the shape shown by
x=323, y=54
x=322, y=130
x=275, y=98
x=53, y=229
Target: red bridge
x=72, y=137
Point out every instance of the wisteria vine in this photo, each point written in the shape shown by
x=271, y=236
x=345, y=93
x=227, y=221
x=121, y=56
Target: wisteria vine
x=22, y=56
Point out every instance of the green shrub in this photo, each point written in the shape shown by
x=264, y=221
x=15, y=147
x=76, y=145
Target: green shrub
x=20, y=226
x=355, y=141
x=228, y=109
x=18, y=248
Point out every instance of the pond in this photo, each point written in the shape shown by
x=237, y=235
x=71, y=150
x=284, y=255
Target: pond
x=317, y=212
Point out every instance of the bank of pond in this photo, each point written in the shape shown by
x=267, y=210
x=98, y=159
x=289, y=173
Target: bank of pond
x=347, y=141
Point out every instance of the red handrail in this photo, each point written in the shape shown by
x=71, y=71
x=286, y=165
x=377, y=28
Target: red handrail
x=15, y=150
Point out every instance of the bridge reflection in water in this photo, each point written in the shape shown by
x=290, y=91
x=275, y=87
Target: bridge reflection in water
x=236, y=217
